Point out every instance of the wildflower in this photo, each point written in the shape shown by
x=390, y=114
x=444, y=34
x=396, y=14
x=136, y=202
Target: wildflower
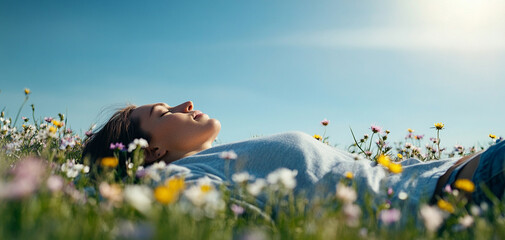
x=204, y=194
x=112, y=192
x=384, y=160
x=119, y=146
x=466, y=221
x=352, y=213
x=348, y=175
x=88, y=133
x=410, y=130
x=325, y=122
x=165, y=195
x=52, y=130
x=139, y=196
x=48, y=119
x=403, y=195
x=389, y=216
x=57, y=123
x=439, y=126
x=27, y=91
x=54, y=183
x=111, y=162
x=492, y=136
x=432, y=217
x=27, y=176
x=390, y=191
x=419, y=137
x=399, y=155
x=318, y=137
x=368, y=153
x=138, y=142
x=228, y=155
x=284, y=176
x=73, y=169
x=345, y=193
x=376, y=129
x=444, y=205
x=236, y=209
x=465, y=185
x=241, y=177
x=395, y=167
x=176, y=184
x=256, y=187
x=365, y=136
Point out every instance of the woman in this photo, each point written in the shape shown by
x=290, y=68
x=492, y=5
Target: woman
x=182, y=137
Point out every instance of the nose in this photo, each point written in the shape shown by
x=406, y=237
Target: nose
x=184, y=107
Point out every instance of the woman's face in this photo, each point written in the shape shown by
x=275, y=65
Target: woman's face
x=176, y=132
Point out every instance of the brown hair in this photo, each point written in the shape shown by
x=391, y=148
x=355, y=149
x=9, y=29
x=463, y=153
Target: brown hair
x=121, y=128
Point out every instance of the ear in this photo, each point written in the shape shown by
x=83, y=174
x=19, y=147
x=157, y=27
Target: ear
x=154, y=154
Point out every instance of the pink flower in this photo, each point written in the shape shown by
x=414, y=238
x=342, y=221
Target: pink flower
x=376, y=129
x=390, y=191
x=28, y=175
x=48, y=119
x=55, y=183
x=389, y=216
x=236, y=209
x=325, y=122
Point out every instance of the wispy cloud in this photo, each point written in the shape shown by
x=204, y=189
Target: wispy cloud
x=397, y=39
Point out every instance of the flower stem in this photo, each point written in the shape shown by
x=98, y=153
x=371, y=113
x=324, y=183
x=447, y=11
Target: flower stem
x=19, y=111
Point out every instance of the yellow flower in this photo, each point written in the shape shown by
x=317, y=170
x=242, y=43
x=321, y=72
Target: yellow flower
x=205, y=188
x=52, y=129
x=348, y=175
x=27, y=91
x=439, y=126
x=410, y=130
x=399, y=155
x=465, y=185
x=165, y=195
x=444, y=205
x=110, y=162
x=57, y=123
x=395, y=168
x=384, y=160
x=175, y=184
x=318, y=137
x=492, y=136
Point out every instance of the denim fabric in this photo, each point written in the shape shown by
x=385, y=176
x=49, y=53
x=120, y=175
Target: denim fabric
x=320, y=167
x=490, y=173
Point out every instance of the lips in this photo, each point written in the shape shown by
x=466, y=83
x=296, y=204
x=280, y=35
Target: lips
x=197, y=114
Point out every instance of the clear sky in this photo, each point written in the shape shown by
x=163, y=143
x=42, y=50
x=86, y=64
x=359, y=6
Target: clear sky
x=263, y=67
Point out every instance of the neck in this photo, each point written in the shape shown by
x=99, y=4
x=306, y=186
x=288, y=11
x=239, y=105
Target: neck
x=176, y=155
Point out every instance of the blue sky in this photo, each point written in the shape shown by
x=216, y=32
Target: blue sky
x=263, y=67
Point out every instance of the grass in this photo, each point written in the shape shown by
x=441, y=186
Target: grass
x=46, y=192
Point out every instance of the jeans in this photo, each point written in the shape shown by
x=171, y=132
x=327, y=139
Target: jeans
x=490, y=173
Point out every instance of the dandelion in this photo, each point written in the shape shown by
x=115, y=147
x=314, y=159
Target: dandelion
x=384, y=160
x=399, y=155
x=165, y=195
x=111, y=162
x=176, y=184
x=492, y=136
x=57, y=123
x=325, y=122
x=410, y=130
x=345, y=193
x=446, y=206
x=465, y=185
x=318, y=137
x=389, y=216
x=432, y=217
x=439, y=126
x=27, y=91
x=395, y=167
x=348, y=175
x=376, y=129
x=228, y=155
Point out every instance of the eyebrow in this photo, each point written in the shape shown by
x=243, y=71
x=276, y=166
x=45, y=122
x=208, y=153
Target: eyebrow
x=152, y=108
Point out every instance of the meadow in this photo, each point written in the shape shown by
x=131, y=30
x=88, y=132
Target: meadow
x=47, y=191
